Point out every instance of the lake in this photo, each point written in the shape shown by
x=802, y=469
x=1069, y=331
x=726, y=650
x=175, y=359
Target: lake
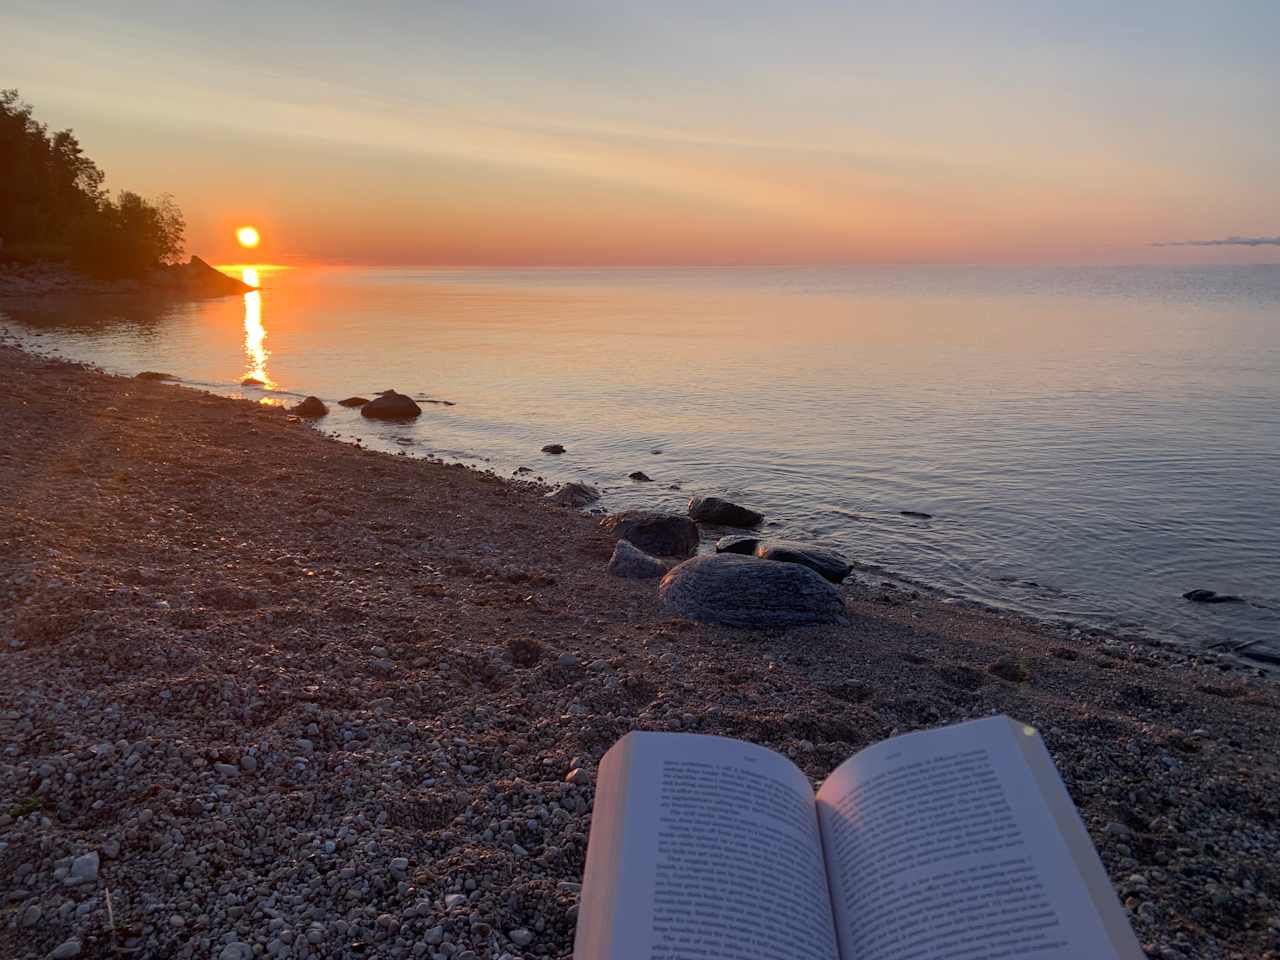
x=1090, y=442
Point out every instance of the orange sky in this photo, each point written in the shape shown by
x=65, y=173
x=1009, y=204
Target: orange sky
x=411, y=134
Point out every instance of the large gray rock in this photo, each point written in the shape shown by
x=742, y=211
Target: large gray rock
x=739, y=591
x=633, y=563
x=661, y=534
x=830, y=564
x=718, y=510
x=574, y=494
x=390, y=405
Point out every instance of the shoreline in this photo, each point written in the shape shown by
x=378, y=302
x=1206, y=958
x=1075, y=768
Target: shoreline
x=300, y=695
x=1181, y=647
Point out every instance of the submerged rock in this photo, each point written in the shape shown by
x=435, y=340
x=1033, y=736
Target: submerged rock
x=390, y=405
x=718, y=510
x=828, y=563
x=640, y=476
x=353, y=402
x=661, y=534
x=574, y=494
x=1209, y=596
x=737, y=544
x=633, y=563
x=740, y=591
x=311, y=407
x=553, y=448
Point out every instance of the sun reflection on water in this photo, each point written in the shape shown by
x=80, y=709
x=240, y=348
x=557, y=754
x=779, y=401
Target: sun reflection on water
x=256, y=353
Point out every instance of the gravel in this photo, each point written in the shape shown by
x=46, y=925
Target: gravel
x=237, y=775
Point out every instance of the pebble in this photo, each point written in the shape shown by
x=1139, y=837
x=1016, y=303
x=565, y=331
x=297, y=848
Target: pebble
x=521, y=937
x=84, y=868
x=66, y=950
x=453, y=900
x=236, y=950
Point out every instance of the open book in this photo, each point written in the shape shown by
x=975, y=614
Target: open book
x=952, y=844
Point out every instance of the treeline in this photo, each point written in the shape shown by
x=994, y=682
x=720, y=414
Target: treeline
x=53, y=205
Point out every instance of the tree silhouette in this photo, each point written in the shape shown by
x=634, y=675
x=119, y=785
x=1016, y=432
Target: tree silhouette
x=53, y=205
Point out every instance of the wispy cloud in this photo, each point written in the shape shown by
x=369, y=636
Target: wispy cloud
x=1225, y=242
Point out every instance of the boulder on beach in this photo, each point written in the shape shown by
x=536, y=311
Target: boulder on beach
x=390, y=405
x=572, y=494
x=737, y=544
x=740, y=591
x=1209, y=596
x=661, y=534
x=154, y=375
x=630, y=562
x=719, y=510
x=353, y=402
x=553, y=448
x=828, y=563
x=310, y=407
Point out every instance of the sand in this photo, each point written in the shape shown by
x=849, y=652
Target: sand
x=303, y=699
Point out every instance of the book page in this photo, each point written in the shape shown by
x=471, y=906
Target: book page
x=940, y=844
x=713, y=853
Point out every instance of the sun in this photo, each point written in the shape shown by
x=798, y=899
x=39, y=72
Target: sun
x=248, y=236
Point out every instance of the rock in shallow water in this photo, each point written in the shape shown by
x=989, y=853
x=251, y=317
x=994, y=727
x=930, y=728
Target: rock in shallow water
x=311, y=407
x=1209, y=596
x=718, y=510
x=661, y=534
x=740, y=591
x=353, y=402
x=574, y=494
x=737, y=544
x=634, y=564
x=553, y=448
x=390, y=405
x=828, y=563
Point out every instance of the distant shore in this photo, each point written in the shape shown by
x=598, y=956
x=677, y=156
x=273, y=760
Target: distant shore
x=307, y=698
x=195, y=278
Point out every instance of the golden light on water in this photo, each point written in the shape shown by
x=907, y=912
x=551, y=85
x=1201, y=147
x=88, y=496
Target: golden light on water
x=248, y=237
x=255, y=334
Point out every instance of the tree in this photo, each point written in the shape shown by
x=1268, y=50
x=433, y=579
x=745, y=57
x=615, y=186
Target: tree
x=53, y=204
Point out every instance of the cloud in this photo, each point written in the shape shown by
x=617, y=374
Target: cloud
x=1227, y=242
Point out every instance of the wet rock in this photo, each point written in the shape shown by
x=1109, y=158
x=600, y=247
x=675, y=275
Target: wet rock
x=719, y=510
x=390, y=405
x=660, y=534
x=574, y=494
x=353, y=402
x=640, y=476
x=252, y=382
x=740, y=591
x=154, y=375
x=828, y=563
x=553, y=448
x=737, y=544
x=634, y=564
x=915, y=514
x=311, y=407
x=1209, y=596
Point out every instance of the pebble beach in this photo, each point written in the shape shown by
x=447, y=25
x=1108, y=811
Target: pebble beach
x=268, y=694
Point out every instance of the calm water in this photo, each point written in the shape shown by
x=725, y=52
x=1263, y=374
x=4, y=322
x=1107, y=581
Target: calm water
x=1092, y=442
